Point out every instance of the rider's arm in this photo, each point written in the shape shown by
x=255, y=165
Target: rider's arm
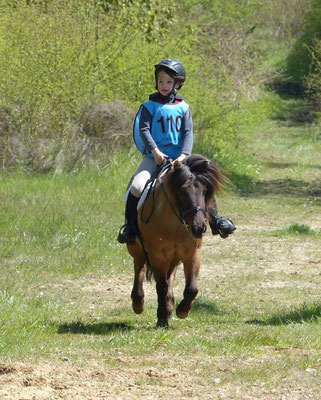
x=145, y=124
x=187, y=133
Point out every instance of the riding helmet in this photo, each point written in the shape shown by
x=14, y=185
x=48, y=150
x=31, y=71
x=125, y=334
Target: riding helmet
x=174, y=68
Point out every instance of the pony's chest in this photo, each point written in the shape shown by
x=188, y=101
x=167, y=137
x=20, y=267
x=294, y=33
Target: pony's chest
x=176, y=246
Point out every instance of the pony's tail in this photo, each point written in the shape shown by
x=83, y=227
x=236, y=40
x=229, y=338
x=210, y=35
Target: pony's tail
x=149, y=270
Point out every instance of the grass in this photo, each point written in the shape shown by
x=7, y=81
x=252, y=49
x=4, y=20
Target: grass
x=65, y=287
x=298, y=229
x=71, y=217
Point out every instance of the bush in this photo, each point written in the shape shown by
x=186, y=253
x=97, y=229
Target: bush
x=75, y=54
x=73, y=72
x=300, y=58
x=92, y=137
x=313, y=79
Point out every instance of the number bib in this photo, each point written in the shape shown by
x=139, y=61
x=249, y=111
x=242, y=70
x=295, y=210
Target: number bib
x=166, y=127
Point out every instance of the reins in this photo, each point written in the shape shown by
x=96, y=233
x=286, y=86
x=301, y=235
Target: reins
x=178, y=215
x=152, y=181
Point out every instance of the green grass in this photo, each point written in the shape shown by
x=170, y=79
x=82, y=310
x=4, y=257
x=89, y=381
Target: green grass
x=65, y=224
x=298, y=229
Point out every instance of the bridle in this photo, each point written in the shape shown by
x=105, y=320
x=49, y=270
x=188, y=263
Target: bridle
x=177, y=210
x=181, y=214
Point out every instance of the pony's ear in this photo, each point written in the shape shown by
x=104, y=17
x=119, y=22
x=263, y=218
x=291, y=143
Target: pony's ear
x=206, y=164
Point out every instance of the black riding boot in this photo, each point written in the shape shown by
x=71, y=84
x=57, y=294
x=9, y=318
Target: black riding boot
x=222, y=226
x=128, y=232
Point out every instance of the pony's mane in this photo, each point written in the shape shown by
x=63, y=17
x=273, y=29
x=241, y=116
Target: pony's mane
x=203, y=169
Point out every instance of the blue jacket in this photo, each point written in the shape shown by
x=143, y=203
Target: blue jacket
x=167, y=125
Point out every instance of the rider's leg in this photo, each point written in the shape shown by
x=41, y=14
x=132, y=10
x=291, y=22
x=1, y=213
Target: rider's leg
x=220, y=225
x=145, y=170
x=128, y=231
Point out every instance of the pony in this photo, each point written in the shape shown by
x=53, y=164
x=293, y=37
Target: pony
x=171, y=224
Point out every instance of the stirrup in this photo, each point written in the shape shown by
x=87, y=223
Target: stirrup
x=127, y=234
x=225, y=226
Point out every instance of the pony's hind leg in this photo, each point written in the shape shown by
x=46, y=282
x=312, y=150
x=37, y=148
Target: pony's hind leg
x=191, y=271
x=170, y=301
x=137, y=293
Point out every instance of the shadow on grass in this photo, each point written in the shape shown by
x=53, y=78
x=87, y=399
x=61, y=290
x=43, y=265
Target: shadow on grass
x=294, y=109
x=287, y=187
x=93, y=329
x=205, y=307
x=297, y=316
x=279, y=165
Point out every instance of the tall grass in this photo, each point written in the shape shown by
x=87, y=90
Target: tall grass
x=74, y=217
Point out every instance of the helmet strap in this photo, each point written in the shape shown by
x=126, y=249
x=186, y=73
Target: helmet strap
x=174, y=90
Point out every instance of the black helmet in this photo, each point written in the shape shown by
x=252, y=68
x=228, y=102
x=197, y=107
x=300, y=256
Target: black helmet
x=174, y=68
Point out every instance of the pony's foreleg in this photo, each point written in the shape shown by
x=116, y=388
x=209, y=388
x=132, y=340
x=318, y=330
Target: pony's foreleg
x=137, y=294
x=191, y=271
x=165, y=297
x=212, y=215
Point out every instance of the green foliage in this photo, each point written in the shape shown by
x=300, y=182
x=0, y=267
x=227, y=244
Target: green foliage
x=313, y=79
x=76, y=55
x=300, y=59
x=82, y=61
x=151, y=17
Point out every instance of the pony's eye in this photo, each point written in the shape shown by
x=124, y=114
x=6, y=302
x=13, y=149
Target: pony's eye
x=182, y=190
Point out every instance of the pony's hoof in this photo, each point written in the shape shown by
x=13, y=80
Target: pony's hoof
x=181, y=313
x=138, y=307
x=162, y=323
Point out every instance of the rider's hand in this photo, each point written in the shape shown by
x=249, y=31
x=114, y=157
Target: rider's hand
x=159, y=157
x=181, y=157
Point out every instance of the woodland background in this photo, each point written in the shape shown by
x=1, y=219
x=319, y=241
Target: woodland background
x=72, y=75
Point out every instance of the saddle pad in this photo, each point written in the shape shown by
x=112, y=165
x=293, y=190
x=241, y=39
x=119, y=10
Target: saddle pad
x=144, y=194
x=148, y=186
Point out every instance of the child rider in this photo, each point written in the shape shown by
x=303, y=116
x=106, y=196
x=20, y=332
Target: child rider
x=163, y=129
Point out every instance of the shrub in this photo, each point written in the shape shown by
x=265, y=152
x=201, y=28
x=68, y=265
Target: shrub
x=300, y=58
x=75, y=54
x=313, y=79
x=73, y=72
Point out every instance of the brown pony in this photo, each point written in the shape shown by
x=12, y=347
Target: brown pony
x=172, y=222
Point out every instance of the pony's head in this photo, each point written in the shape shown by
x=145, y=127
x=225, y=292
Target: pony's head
x=194, y=182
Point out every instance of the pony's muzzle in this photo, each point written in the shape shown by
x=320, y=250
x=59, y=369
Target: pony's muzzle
x=198, y=232
x=198, y=228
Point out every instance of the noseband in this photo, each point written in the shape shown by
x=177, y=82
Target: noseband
x=194, y=209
